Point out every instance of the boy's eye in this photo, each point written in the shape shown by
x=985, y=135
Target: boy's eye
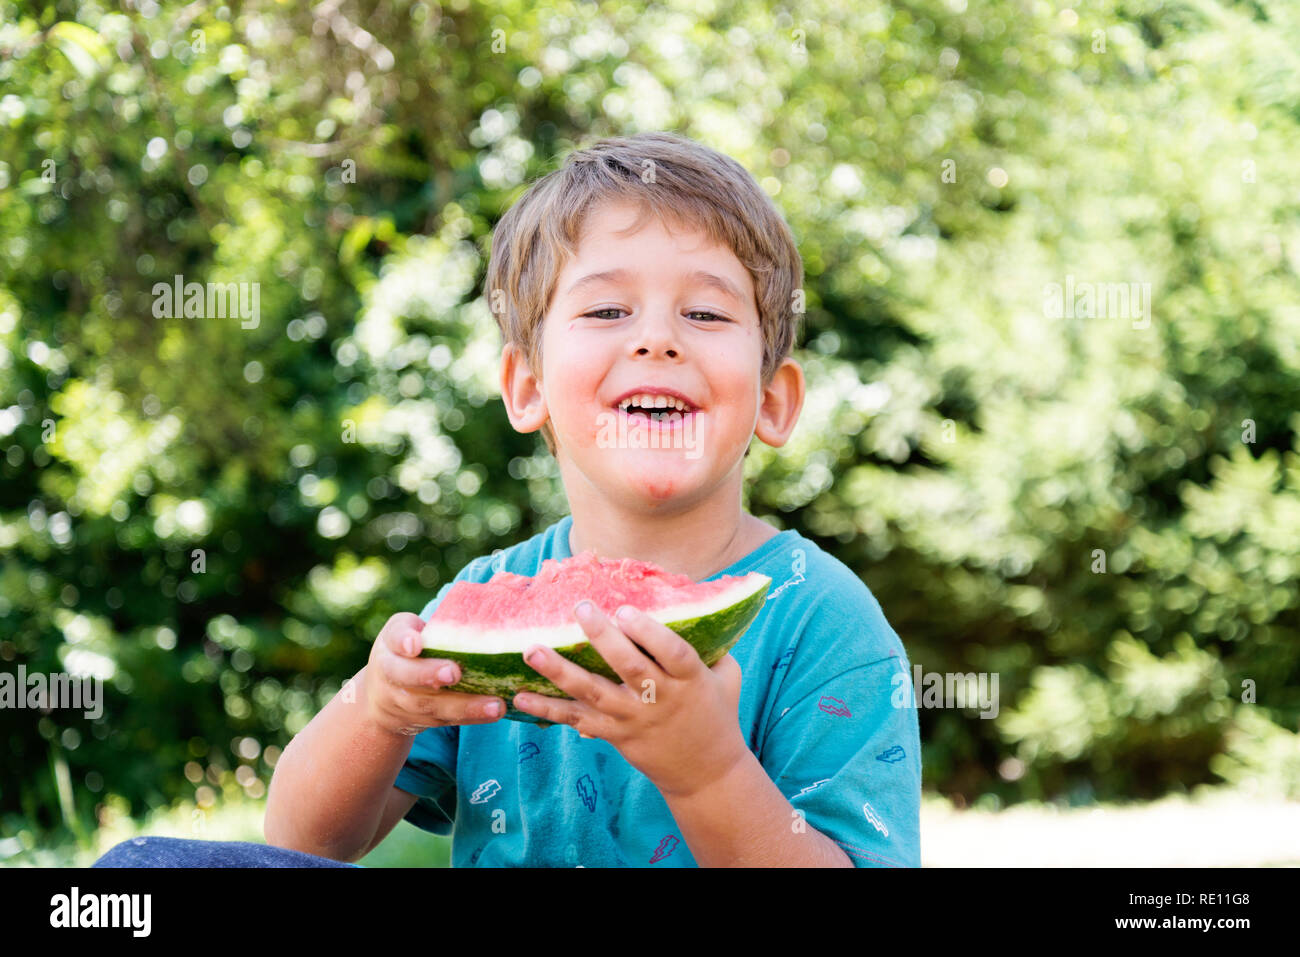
x=598, y=314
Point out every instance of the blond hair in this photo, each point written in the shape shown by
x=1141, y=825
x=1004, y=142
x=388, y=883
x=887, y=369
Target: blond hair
x=682, y=183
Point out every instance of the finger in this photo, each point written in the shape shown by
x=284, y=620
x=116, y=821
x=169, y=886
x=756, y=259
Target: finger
x=729, y=671
x=670, y=651
x=628, y=661
x=401, y=634
x=595, y=691
x=557, y=711
x=727, y=668
x=450, y=707
x=419, y=672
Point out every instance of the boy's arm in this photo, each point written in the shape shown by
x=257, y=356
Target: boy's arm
x=399, y=802
x=742, y=820
x=847, y=752
x=333, y=787
x=844, y=744
x=331, y=793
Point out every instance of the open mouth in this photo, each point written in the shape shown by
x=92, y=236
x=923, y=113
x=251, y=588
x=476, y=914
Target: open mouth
x=655, y=417
x=661, y=409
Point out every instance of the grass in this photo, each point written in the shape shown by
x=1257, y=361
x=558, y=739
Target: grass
x=1214, y=827
x=232, y=819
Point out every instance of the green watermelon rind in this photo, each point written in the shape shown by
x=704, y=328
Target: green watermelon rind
x=506, y=674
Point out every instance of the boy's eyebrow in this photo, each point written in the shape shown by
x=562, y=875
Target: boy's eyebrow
x=721, y=283
x=610, y=275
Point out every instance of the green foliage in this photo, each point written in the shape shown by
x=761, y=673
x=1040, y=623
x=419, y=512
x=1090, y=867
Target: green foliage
x=218, y=515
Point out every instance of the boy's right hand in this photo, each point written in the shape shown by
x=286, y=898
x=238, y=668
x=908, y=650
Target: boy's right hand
x=404, y=692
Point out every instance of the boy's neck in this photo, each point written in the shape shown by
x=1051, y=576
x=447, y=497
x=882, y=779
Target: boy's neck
x=696, y=543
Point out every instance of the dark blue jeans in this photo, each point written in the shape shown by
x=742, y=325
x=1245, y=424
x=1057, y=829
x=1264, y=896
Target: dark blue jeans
x=180, y=852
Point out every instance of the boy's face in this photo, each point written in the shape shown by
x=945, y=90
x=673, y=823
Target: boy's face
x=661, y=326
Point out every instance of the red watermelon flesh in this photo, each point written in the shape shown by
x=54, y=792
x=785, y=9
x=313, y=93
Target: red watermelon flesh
x=548, y=598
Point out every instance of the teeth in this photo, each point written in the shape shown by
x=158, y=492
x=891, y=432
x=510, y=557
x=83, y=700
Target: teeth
x=647, y=401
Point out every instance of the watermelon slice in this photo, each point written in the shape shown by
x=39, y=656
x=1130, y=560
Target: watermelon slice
x=485, y=628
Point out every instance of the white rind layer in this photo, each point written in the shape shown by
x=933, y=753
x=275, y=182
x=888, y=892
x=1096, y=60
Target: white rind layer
x=473, y=639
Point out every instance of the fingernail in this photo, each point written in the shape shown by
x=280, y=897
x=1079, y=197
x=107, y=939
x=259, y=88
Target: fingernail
x=627, y=613
x=584, y=609
x=493, y=709
x=411, y=646
x=447, y=674
x=534, y=656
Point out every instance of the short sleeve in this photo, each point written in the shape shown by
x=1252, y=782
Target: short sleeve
x=843, y=744
x=430, y=775
x=429, y=772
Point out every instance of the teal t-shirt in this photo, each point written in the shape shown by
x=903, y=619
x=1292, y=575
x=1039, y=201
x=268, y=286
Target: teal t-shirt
x=817, y=706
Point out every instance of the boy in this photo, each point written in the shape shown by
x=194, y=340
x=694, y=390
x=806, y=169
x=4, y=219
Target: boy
x=648, y=273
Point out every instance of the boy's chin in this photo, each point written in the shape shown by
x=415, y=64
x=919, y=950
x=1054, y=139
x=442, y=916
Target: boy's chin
x=660, y=476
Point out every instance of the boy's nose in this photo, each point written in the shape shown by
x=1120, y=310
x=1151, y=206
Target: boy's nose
x=656, y=335
x=668, y=351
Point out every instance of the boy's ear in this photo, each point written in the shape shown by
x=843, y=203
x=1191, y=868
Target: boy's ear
x=521, y=391
x=782, y=400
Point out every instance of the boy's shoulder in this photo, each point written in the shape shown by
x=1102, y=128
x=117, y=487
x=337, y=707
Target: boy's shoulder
x=521, y=558
x=828, y=610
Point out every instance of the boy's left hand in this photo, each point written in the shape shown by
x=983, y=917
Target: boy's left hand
x=682, y=731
